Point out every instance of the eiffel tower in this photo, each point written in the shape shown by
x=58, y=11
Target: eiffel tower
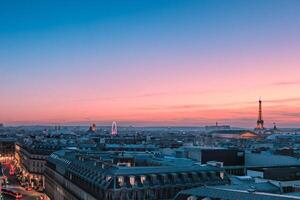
x=260, y=121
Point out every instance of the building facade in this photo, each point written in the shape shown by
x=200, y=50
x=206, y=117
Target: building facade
x=233, y=160
x=7, y=149
x=31, y=159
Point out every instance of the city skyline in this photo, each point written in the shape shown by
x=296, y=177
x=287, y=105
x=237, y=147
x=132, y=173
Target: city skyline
x=147, y=63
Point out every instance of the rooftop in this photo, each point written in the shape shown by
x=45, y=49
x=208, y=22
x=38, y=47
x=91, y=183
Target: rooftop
x=107, y=167
x=230, y=194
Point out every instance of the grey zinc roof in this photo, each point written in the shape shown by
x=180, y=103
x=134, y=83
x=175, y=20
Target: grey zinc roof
x=232, y=194
x=297, y=194
x=260, y=187
x=67, y=160
x=160, y=169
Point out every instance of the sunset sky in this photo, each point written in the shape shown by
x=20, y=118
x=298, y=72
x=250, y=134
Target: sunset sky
x=186, y=62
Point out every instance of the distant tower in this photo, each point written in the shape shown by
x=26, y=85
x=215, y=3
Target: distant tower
x=275, y=127
x=260, y=121
x=94, y=128
x=114, y=130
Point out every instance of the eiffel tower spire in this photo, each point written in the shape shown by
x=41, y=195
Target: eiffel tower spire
x=260, y=121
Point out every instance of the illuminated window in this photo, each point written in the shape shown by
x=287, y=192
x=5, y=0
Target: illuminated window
x=143, y=179
x=132, y=180
x=108, y=178
x=222, y=175
x=121, y=180
x=192, y=198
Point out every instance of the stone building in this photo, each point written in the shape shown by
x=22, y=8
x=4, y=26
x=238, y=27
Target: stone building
x=87, y=175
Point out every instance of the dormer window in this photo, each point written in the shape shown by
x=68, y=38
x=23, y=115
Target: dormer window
x=108, y=178
x=132, y=180
x=143, y=179
x=222, y=175
x=121, y=180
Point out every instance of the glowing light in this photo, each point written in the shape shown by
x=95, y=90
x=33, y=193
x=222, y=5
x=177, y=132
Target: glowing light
x=114, y=129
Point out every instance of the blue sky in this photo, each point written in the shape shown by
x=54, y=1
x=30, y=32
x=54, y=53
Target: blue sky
x=56, y=52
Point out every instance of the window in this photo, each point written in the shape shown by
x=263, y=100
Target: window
x=222, y=175
x=132, y=180
x=143, y=179
x=121, y=180
x=192, y=198
x=108, y=178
